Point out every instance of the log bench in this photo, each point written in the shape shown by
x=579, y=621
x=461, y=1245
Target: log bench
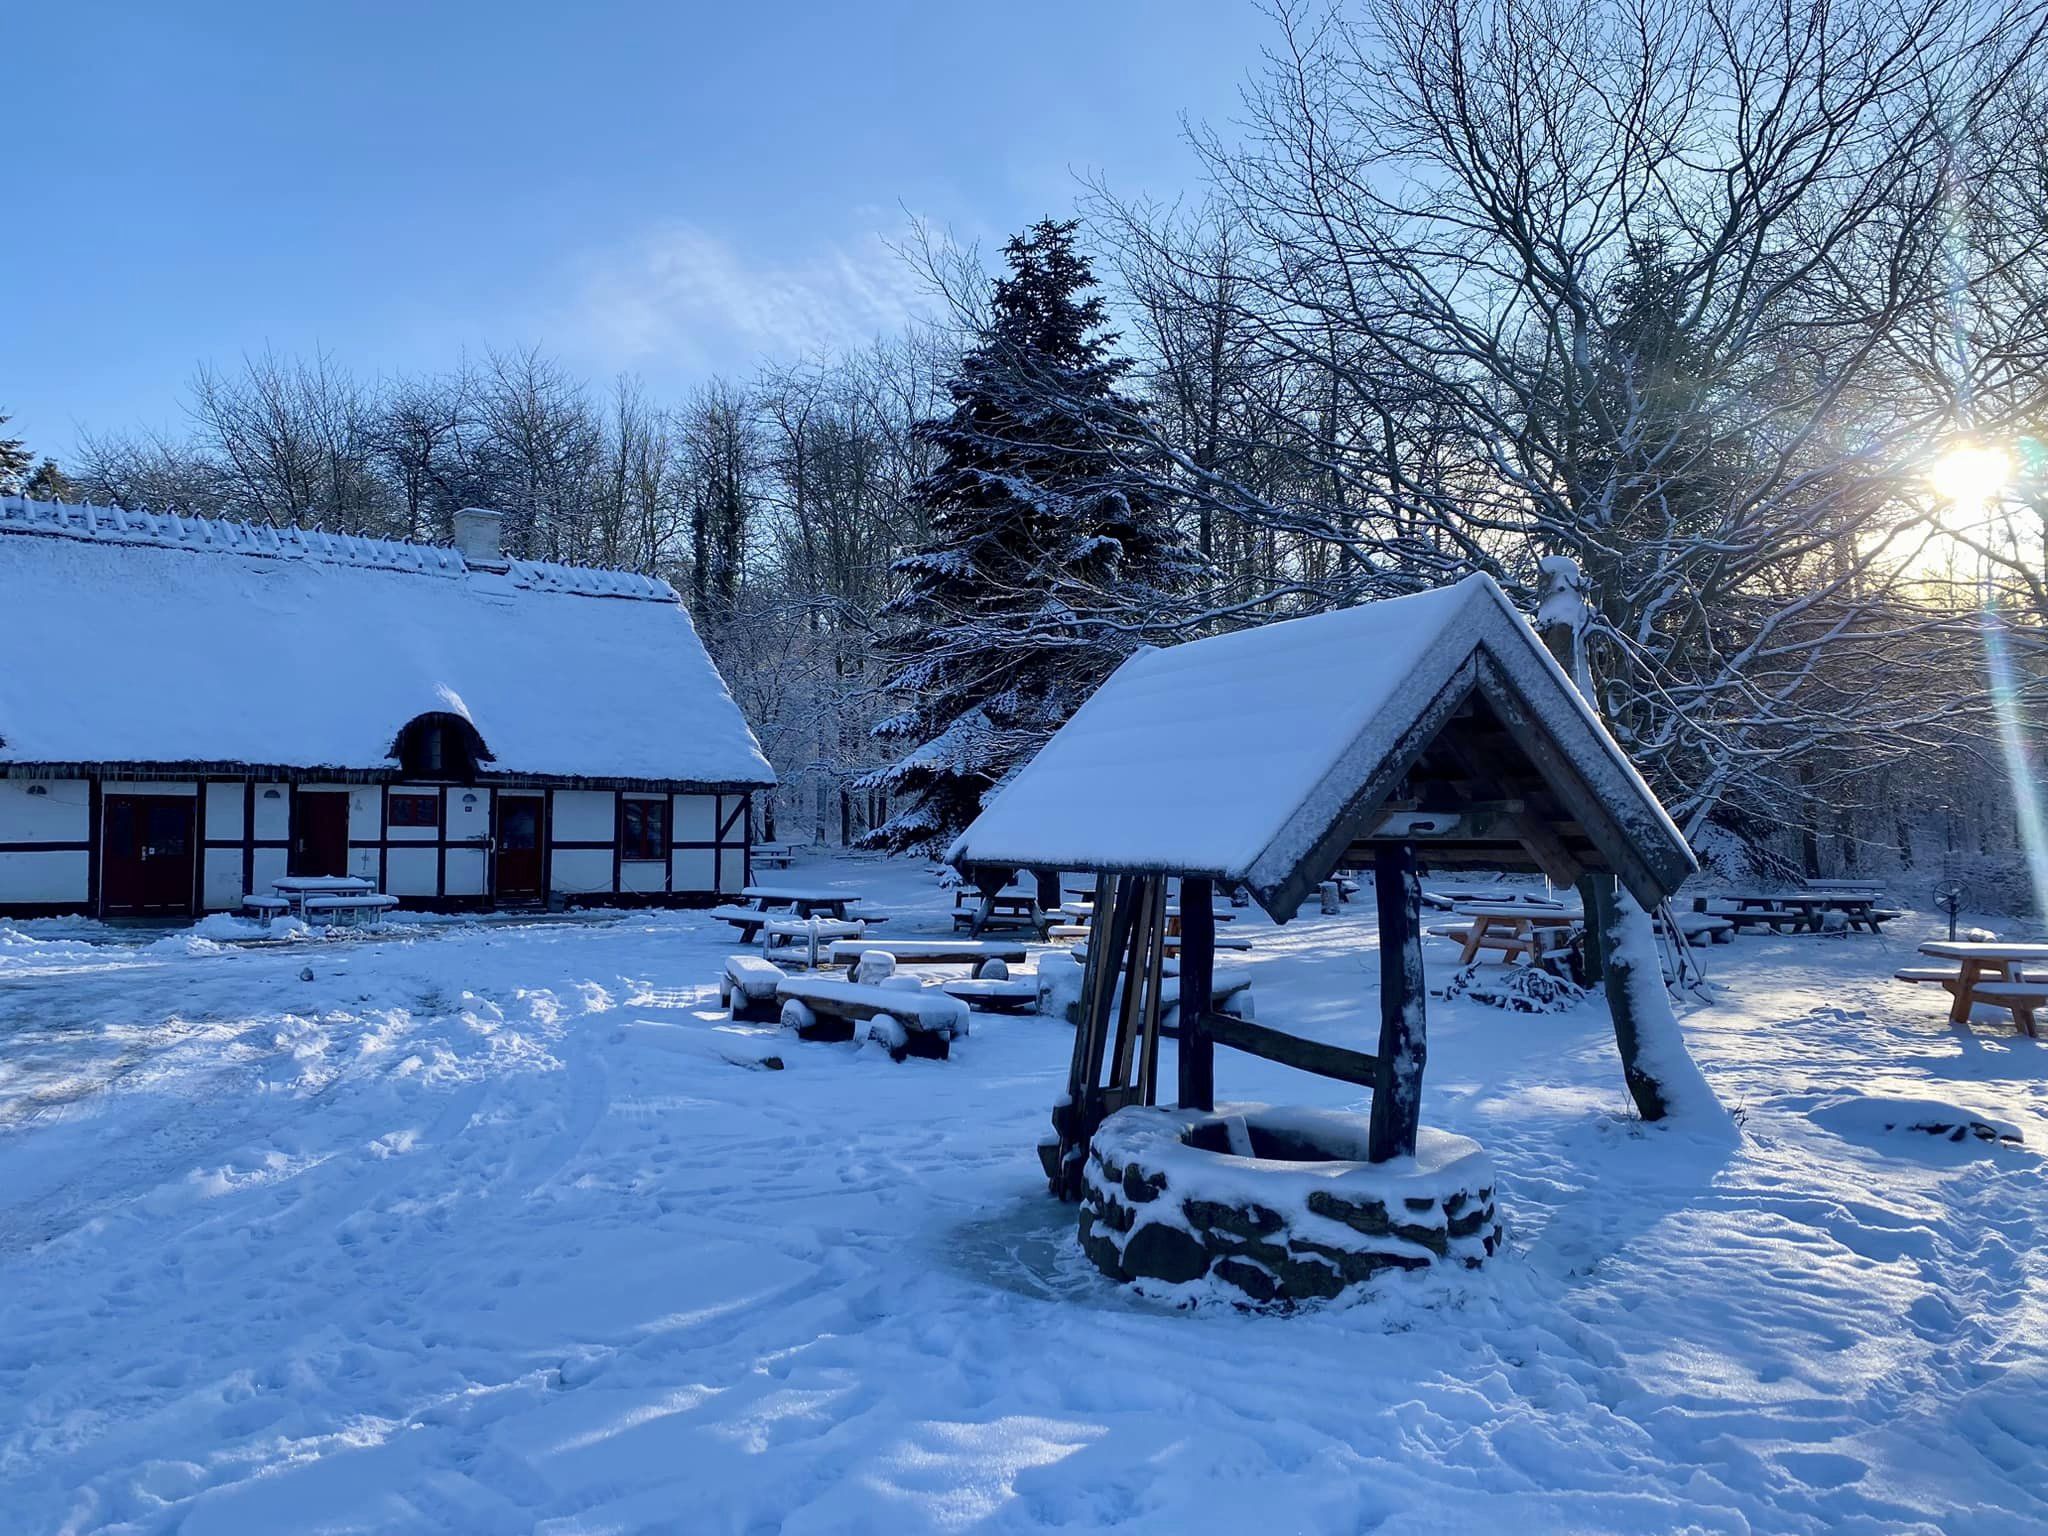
x=748, y=988
x=913, y=1020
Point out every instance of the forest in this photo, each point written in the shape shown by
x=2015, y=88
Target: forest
x=1742, y=306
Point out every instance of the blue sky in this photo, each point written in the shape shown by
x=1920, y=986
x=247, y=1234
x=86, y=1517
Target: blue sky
x=670, y=189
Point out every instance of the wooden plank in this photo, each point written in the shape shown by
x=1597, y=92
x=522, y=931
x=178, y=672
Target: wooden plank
x=1197, y=1088
x=1314, y=1056
x=1404, y=1001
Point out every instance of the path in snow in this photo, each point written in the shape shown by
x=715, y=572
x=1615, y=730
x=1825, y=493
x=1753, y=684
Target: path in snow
x=481, y=1230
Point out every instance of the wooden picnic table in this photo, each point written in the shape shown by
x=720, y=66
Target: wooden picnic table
x=765, y=904
x=977, y=912
x=1799, y=910
x=1991, y=973
x=803, y=900
x=1514, y=928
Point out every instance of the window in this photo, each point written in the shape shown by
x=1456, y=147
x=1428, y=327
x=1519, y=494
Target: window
x=415, y=810
x=643, y=829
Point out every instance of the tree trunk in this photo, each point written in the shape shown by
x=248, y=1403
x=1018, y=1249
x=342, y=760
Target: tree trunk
x=1627, y=941
x=1404, y=996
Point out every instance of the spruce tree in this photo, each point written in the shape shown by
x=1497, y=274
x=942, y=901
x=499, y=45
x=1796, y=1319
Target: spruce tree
x=15, y=460
x=1049, y=546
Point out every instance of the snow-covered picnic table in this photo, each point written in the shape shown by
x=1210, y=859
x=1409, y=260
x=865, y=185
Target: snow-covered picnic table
x=1798, y=910
x=2005, y=976
x=308, y=897
x=769, y=903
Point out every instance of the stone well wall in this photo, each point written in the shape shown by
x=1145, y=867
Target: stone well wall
x=1172, y=1197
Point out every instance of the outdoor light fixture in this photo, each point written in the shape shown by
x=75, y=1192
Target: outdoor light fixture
x=1970, y=474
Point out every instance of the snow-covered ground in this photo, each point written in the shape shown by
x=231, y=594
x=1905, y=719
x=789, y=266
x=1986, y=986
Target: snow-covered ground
x=491, y=1227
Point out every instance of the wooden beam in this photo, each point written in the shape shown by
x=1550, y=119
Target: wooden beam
x=1346, y=1066
x=1197, y=988
x=1404, y=1001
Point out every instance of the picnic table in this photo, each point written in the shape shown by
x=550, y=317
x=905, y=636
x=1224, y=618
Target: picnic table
x=1512, y=927
x=799, y=902
x=2008, y=976
x=773, y=855
x=999, y=909
x=1800, y=911
x=333, y=898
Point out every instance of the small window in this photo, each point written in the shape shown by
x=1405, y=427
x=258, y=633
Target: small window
x=415, y=810
x=643, y=829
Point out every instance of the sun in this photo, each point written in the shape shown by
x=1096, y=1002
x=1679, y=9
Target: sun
x=1970, y=475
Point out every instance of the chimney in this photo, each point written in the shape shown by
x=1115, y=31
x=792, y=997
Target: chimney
x=477, y=531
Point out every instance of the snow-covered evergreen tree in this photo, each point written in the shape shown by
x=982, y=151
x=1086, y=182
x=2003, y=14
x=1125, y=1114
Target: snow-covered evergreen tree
x=1049, y=550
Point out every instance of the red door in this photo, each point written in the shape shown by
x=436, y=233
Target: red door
x=319, y=833
x=147, y=857
x=518, y=876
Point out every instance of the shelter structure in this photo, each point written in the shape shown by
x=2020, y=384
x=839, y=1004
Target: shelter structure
x=191, y=709
x=1431, y=729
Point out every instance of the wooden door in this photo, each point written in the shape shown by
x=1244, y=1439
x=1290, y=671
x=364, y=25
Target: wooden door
x=319, y=833
x=147, y=858
x=518, y=862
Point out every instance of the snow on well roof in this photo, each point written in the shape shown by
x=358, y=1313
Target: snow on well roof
x=154, y=638
x=1242, y=756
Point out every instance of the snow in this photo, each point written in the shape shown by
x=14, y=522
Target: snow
x=311, y=657
x=498, y=1227
x=1232, y=756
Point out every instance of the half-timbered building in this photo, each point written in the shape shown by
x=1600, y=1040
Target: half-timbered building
x=190, y=709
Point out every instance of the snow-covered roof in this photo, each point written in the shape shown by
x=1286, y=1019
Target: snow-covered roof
x=153, y=638
x=1262, y=756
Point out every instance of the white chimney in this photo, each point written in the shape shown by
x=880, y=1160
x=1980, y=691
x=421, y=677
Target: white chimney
x=477, y=532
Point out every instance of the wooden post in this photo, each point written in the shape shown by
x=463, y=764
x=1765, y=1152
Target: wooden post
x=1404, y=995
x=1197, y=989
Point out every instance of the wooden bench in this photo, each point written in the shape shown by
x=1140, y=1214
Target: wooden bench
x=368, y=911
x=266, y=907
x=910, y=1021
x=2022, y=997
x=748, y=988
x=930, y=951
x=1012, y=994
x=773, y=855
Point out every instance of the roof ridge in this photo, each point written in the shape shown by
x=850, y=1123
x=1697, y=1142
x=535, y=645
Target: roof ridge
x=91, y=523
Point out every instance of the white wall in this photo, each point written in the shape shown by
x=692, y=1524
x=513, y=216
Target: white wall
x=586, y=816
x=43, y=877
x=224, y=815
x=62, y=813
x=470, y=823
x=410, y=871
x=582, y=871
x=220, y=881
x=267, y=865
x=696, y=819
x=641, y=876
x=365, y=813
x=273, y=817
x=693, y=870
x=466, y=869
